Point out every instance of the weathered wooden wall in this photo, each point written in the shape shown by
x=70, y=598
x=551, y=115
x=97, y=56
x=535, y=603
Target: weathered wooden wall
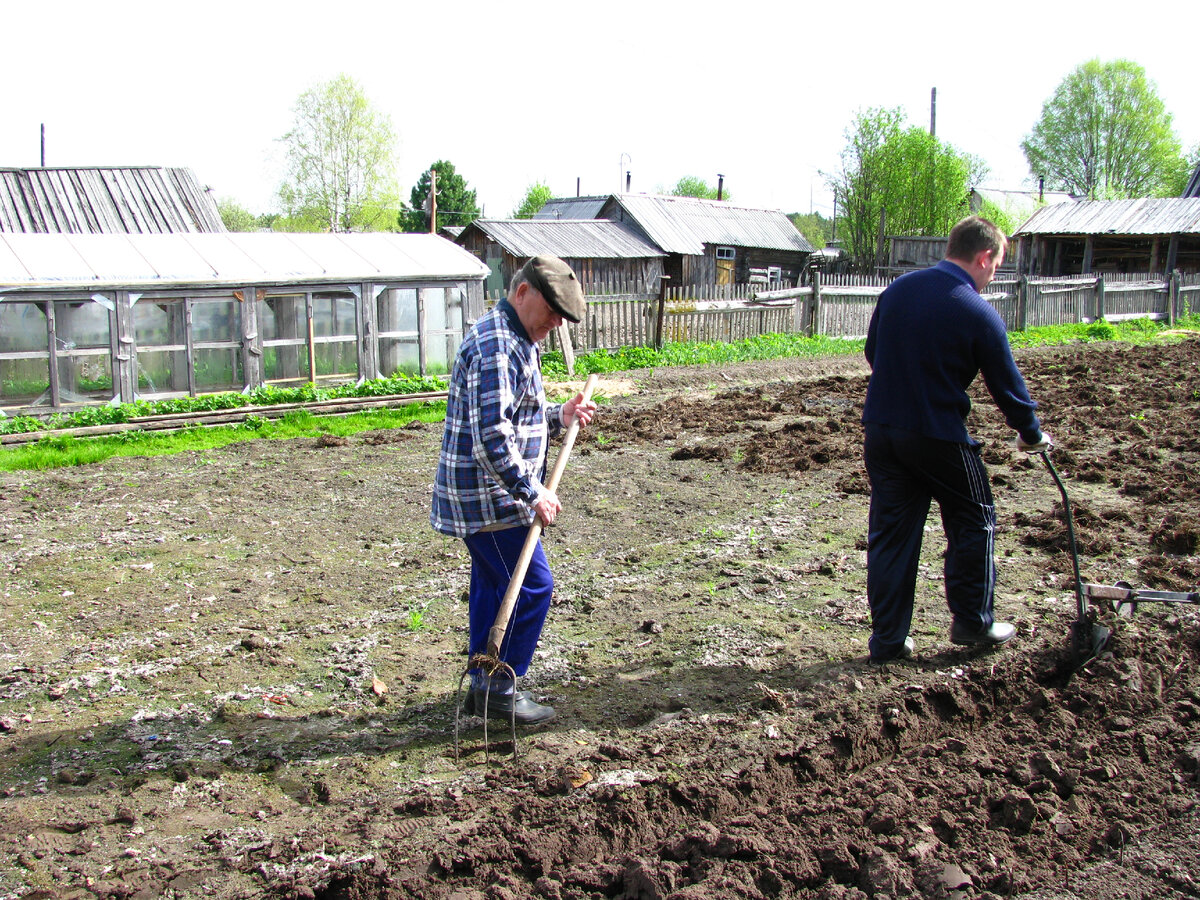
x=1061, y=255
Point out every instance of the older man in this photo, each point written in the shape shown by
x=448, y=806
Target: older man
x=931, y=334
x=489, y=479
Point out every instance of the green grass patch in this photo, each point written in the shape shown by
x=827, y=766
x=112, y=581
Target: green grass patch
x=268, y=395
x=55, y=452
x=1132, y=331
x=68, y=451
x=699, y=353
x=778, y=346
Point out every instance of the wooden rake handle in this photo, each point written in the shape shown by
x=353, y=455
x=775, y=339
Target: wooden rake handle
x=500, y=627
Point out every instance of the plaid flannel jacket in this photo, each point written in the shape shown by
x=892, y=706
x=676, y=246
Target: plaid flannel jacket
x=498, y=423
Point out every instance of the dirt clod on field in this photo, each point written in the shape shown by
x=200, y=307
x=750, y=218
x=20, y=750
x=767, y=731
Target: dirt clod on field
x=231, y=673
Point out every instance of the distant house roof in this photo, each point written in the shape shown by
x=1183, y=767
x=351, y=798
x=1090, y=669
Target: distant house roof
x=572, y=208
x=1172, y=215
x=686, y=224
x=95, y=262
x=1003, y=198
x=105, y=200
x=566, y=238
x=1193, y=185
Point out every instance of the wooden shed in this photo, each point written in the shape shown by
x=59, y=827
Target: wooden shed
x=908, y=252
x=714, y=242
x=106, y=200
x=1019, y=205
x=1146, y=235
x=599, y=251
x=101, y=318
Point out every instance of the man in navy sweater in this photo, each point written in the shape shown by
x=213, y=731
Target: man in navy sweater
x=931, y=334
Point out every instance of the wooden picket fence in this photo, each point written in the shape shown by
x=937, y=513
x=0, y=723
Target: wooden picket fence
x=841, y=306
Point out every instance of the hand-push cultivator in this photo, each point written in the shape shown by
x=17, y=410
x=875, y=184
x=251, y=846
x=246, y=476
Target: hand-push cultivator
x=490, y=663
x=1088, y=637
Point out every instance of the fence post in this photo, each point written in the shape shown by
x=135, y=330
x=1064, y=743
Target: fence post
x=1022, y=302
x=658, y=318
x=1099, y=297
x=814, y=322
x=1172, y=296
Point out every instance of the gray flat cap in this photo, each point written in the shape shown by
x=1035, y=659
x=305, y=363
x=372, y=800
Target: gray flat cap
x=556, y=282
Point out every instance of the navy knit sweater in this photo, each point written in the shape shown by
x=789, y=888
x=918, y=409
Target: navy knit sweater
x=930, y=335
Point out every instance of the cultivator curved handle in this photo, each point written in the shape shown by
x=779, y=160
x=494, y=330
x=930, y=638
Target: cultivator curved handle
x=1088, y=637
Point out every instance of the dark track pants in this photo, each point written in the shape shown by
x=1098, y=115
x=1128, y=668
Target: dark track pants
x=493, y=557
x=907, y=472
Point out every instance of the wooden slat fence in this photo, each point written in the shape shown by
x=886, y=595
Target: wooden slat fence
x=841, y=306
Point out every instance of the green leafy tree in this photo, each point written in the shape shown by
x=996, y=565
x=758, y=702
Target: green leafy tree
x=1007, y=217
x=1106, y=134
x=691, y=186
x=456, y=203
x=816, y=229
x=235, y=216
x=900, y=177
x=1178, y=180
x=537, y=196
x=340, y=156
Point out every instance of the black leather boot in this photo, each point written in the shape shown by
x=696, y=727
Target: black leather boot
x=501, y=706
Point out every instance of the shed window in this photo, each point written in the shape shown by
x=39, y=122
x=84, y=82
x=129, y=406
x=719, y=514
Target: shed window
x=725, y=253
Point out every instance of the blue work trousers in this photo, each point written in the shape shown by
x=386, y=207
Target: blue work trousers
x=907, y=472
x=493, y=557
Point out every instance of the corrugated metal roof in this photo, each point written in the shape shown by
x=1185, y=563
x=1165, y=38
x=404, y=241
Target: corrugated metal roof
x=106, y=200
x=686, y=224
x=157, y=261
x=569, y=239
x=572, y=208
x=1172, y=215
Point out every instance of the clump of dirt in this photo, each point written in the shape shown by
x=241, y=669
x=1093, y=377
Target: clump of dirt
x=231, y=673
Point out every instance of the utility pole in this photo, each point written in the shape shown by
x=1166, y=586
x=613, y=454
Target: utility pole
x=433, y=201
x=933, y=112
x=43, y=145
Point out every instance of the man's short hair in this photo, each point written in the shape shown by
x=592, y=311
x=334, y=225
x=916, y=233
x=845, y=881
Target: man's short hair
x=972, y=236
x=518, y=279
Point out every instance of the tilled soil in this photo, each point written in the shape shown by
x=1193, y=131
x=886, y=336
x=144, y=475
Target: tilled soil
x=231, y=673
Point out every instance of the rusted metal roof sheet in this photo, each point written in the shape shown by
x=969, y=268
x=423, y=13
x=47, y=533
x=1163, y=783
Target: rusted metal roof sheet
x=569, y=239
x=572, y=208
x=106, y=200
x=158, y=261
x=686, y=224
x=1171, y=215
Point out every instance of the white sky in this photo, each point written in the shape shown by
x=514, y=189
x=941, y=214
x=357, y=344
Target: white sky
x=515, y=92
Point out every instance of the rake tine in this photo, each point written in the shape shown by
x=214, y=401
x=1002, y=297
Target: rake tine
x=491, y=666
x=458, y=702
